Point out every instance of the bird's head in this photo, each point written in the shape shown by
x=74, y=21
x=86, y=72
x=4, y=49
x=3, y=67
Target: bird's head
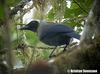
x=33, y=25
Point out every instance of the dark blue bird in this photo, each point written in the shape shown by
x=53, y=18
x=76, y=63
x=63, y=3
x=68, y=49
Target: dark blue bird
x=52, y=34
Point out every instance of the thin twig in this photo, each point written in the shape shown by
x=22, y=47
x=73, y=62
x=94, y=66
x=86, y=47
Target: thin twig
x=80, y=6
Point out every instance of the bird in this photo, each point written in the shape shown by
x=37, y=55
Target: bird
x=52, y=34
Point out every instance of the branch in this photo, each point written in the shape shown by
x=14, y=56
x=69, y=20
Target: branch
x=19, y=7
x=24, y=12
x=92, y=24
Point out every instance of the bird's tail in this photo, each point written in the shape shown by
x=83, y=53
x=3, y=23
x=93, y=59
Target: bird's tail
x=74, y=35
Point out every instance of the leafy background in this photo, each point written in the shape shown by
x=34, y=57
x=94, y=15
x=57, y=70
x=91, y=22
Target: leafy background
x=26, y=45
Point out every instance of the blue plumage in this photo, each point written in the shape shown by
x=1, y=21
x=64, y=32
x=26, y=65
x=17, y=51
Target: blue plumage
x=53, y=34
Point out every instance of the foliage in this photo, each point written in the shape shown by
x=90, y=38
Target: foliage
x=49, y=10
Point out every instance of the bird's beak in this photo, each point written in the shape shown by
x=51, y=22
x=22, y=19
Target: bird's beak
x=25, y=27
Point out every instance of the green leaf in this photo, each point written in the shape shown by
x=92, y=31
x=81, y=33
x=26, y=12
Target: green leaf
x=51, y=14
x=12, y=2
x=31, y=38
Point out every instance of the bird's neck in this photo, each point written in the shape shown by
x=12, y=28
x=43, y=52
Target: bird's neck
x=42, y=23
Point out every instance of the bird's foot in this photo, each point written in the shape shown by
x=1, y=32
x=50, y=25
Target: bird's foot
x=51, y=56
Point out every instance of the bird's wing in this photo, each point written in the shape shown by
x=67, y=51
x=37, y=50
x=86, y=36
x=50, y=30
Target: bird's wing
x=59, y=28
x=52, y=30
x=64, y=30
x=73, y=35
